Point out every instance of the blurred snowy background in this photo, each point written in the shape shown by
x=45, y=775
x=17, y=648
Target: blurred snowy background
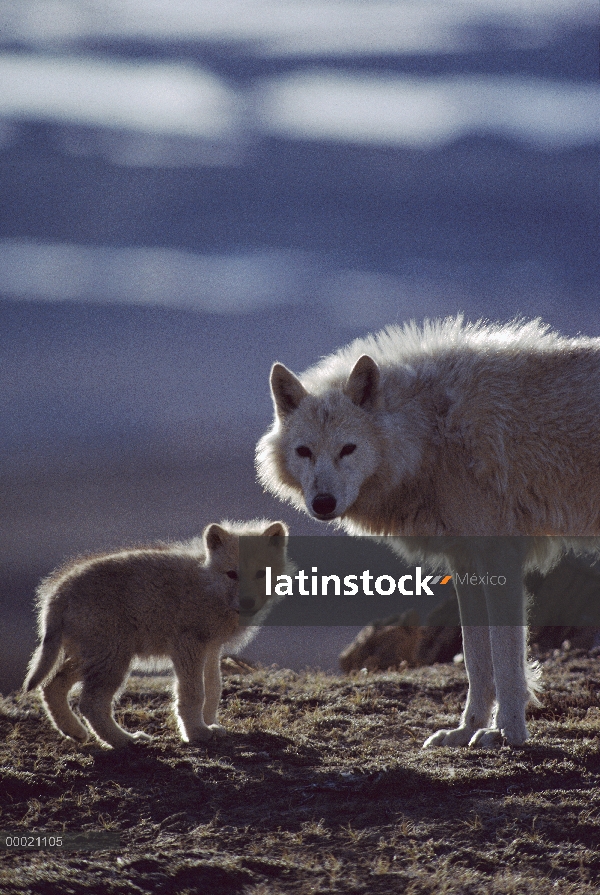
x=192, y=190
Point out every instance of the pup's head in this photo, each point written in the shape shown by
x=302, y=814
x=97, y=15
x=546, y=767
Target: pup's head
x=323, y=446
x=263, y=544
x=222, y=550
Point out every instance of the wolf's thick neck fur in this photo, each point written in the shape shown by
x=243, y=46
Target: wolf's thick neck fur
x=479, y=430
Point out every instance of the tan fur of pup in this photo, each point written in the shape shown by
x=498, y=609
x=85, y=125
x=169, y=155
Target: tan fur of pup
x=177, y=602
x=446, y=431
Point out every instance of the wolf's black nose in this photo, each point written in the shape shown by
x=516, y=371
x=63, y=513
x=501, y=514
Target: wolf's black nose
x=324, y=504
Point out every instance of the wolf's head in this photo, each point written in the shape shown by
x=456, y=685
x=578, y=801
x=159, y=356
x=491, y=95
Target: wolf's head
x=324, y=446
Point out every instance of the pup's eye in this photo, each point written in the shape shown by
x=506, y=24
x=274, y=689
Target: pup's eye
x=303, y=451
x=347, y=449
x=260, y=574
x=233, y=575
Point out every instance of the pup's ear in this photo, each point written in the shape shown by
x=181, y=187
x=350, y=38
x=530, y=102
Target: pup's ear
x=287, y=390
x=216, y=537
x=276, y=531
x=363, y=382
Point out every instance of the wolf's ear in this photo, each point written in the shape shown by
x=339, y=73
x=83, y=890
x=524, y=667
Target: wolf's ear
x=215, y=537
x=287, y=390
x=276, y=532
x=363, y=382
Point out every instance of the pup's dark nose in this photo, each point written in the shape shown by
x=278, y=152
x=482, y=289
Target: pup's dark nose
x=324, y=504
x=246, y=604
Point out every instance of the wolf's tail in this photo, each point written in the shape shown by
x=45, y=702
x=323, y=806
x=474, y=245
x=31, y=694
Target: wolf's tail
x=45, y=659
x=533, y=675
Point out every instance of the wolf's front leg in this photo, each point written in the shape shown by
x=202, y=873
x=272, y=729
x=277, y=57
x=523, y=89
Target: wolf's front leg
x=188, y=663
x=213, y=686
x=503, y=559
x=478, y=663
x=480, y=698
x=508, y=643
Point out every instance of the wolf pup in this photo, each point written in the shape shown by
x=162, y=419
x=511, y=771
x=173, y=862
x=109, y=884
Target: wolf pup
x=449, y=430
x=177, y=601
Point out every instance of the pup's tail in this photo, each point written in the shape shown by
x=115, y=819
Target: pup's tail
x=45, y=659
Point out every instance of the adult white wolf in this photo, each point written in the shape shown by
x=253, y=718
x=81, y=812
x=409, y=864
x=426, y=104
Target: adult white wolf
x=452, y=430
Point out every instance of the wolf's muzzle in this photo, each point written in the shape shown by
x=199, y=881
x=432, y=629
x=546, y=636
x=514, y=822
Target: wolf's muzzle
x=324, y=505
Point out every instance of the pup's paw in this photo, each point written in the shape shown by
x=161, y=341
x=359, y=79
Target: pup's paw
x=460, y=736
x=218, y=730
x=79, y=734
x=130, y=740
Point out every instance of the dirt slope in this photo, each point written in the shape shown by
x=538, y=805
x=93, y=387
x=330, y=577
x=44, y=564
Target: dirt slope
x=321, y=786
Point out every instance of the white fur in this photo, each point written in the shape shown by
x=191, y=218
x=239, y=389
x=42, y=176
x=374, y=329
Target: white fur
x=459, y=430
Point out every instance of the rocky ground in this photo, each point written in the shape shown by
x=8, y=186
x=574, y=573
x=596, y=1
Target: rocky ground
x=320, y=786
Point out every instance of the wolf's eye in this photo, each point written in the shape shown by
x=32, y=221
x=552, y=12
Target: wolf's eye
x=260, y=574
x=233, y=575
x=347, y=449
x=303, y=451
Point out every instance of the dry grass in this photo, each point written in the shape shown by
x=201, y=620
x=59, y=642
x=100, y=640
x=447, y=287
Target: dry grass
x=320, y=787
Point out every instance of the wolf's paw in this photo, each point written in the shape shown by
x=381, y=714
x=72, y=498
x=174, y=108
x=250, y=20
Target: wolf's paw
x=487, y=738
x=141, y=737
x=460, y=736
x=217, y=730
x=200, y=734
x=494, y=738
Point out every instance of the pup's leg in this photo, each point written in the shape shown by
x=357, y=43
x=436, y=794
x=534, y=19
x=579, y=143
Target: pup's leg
x=213, y=686
x=55, y=697
x=101, y=682
x=189, y=662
